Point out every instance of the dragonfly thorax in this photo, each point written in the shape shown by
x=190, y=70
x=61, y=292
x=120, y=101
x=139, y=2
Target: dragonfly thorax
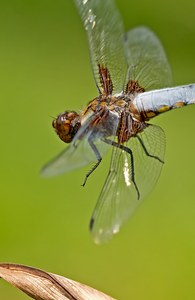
x=66, y=125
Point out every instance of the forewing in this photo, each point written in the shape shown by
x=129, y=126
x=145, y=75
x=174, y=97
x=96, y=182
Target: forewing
x=147, y=61
x=74, y=156
x=104, y=28
x=119, y=197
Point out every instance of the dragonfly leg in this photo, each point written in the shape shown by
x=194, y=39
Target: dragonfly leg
x=146, y=151
x=99, y=159
x=130, y=152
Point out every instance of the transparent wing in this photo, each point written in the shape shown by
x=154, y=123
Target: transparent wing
x=74, y=156
x=119, y=197
x=80, y=153
x=147, y=62
x=104, y=27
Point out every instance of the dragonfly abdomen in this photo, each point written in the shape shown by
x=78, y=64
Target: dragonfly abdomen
x=150, y=104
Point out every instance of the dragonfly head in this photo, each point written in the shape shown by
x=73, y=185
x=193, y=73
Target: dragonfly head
x=66, y=125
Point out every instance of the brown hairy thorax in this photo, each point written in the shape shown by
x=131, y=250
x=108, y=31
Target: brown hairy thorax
x=130, y=121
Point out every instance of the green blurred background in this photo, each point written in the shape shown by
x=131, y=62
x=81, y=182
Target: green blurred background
x=44, y=69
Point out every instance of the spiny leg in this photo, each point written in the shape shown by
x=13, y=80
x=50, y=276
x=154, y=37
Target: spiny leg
x=130, y=152
x=99, y=158
x=146, y=151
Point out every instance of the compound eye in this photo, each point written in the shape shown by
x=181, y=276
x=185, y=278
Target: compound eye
x=66, y=125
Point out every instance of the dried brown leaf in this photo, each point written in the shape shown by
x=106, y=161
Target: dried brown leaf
x=42, y=285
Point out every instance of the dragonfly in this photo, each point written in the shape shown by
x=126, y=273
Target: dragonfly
x=134, y=84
